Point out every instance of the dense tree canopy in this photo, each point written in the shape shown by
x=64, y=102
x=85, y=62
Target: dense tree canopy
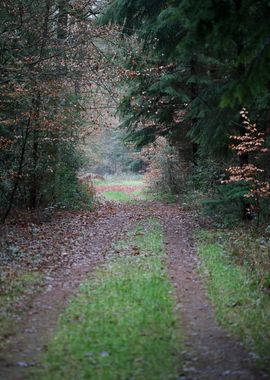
x=218, y=57
x=196, y=66
x=47, y=61
x=185, y=69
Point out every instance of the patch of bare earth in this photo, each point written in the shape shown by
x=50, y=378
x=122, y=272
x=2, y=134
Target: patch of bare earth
x=77, y=243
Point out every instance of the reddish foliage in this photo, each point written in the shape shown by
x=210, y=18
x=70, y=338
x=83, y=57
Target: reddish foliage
x=252, y=141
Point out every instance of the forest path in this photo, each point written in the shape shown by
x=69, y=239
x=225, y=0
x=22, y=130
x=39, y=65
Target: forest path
x=73, y=245
x=210, y=353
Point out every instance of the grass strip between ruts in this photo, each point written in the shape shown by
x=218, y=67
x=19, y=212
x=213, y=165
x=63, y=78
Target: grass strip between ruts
x=240, y=305
x=121, y=324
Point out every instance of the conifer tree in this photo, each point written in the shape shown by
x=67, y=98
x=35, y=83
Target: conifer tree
x=218, y=59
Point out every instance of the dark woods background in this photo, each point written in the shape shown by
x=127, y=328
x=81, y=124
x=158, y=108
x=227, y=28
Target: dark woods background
x=184, y=72
x=46, y=52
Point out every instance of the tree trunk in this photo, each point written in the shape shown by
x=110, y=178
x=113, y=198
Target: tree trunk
x=19, y=172
x=185, y=156
x=62, y=19
x=194, y=93
x=34, y=176
x=34, y=183
x=244, y=158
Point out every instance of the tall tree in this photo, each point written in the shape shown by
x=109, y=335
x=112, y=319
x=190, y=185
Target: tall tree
x=214, y=58
x=47, y=51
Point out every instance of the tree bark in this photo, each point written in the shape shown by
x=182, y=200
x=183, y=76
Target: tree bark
x=62, y=19
x=194, y=93
x=34, y=178
x=19, y=173
x=244, y=158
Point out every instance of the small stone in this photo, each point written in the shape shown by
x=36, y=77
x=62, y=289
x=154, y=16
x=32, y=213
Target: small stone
x=22, y=364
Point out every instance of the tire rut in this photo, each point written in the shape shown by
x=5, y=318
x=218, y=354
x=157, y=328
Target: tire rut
x=24, y=350
x=210, y=352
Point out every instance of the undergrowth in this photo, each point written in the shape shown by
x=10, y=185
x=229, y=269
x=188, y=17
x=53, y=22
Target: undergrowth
x=121, y=324
x=240, y=303
x=250, y=247
x=152, y=195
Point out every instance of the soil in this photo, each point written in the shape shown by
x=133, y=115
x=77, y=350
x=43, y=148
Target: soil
x=210, y=352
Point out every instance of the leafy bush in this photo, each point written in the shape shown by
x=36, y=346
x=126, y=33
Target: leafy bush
x=165, y=174
x=240, y=304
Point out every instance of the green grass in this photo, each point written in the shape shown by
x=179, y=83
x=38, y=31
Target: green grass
x=138, y=194
x=240, y=305
x=13, y=287
x=124, y=180
x=118, y=196
x=121, y=324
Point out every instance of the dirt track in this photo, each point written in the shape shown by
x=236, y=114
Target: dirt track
x=210, y=352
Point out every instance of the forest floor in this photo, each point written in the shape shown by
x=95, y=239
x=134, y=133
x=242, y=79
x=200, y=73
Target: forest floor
x=63, y=251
